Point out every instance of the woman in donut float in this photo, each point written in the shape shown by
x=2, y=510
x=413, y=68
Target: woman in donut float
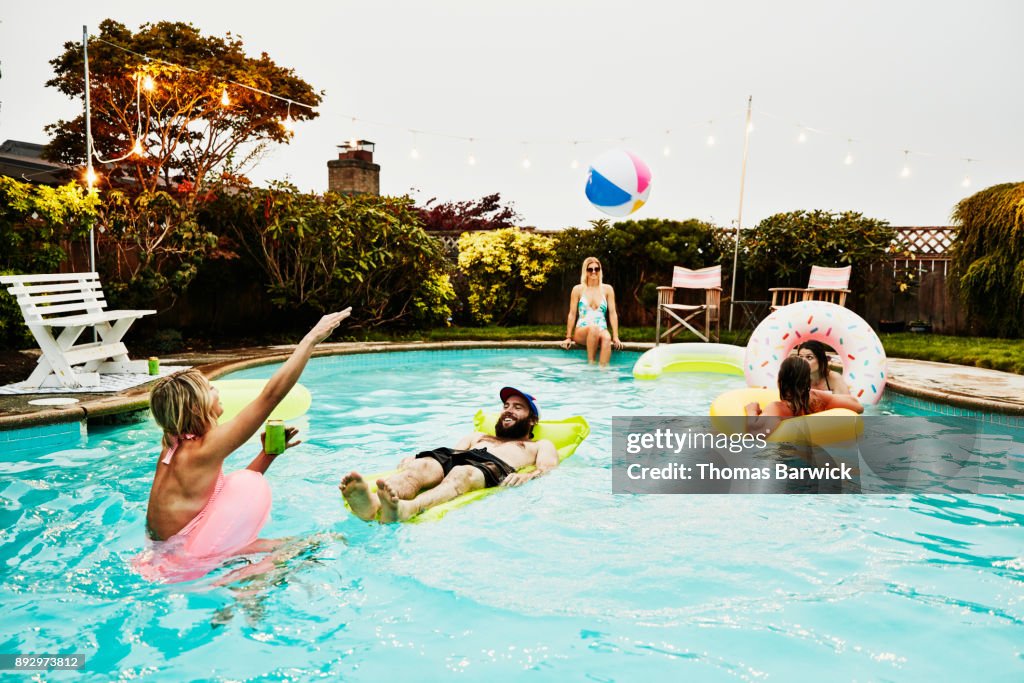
x=785, y=329
x=860, y=351
x=796, y=399
x=199, y=516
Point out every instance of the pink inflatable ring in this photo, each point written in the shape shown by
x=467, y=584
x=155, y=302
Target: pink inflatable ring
x=858, y=346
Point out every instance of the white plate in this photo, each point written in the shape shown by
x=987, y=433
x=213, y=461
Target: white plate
x=57, y=401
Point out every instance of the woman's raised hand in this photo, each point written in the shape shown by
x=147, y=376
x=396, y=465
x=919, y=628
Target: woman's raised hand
x=322, y=330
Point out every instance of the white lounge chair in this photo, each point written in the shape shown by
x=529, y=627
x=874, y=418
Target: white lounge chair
x=72, y=302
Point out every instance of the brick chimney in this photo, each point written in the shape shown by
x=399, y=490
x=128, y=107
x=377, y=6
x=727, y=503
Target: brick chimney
x=354, y=172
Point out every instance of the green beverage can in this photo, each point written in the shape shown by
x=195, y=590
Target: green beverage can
x=154, y=366
x=275, y=442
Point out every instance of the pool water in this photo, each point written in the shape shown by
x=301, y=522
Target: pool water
x=559, y=579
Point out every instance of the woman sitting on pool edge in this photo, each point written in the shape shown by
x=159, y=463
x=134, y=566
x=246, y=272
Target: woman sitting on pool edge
x=591, y=312
x=187, y=502
x=797, y=399
x=823, y=378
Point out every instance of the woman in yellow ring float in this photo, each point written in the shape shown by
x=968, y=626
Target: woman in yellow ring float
x=793, y=414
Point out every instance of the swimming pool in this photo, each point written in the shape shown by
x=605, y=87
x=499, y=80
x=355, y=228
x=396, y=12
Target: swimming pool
x=559, y=578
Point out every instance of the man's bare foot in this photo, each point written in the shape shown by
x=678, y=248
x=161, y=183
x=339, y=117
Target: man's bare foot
x=363, y=503
x=392, y=509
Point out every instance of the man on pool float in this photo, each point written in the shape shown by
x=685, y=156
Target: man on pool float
x=440, y=475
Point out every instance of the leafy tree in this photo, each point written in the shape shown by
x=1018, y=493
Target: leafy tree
x=988, y=257
x=486, y=213
x=185, y=130
x=780, y=251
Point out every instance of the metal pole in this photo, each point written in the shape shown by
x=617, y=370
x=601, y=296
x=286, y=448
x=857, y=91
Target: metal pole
x=739, y=219
x=88, y=144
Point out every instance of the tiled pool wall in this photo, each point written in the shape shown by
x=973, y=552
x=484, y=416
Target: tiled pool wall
x=1014, y=421
x=43, y=438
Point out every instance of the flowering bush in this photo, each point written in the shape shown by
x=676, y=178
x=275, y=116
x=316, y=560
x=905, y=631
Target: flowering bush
x=36, y=224
x=502, y=267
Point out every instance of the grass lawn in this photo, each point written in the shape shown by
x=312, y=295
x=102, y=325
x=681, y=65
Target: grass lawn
x=999, y=354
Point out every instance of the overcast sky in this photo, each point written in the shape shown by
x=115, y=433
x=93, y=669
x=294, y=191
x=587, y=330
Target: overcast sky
x=525, y=79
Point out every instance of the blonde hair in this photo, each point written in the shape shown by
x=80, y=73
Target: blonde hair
x=583, y=271
x=182, y=403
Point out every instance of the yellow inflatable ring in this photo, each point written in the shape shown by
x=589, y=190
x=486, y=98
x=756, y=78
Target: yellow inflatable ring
x=235, y=394
x=809, y=430
x=566, y=434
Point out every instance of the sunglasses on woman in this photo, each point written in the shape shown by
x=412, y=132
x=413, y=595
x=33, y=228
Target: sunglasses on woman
x=594, y=269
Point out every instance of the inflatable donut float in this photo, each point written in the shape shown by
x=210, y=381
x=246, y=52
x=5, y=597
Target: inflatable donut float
x=859, y=349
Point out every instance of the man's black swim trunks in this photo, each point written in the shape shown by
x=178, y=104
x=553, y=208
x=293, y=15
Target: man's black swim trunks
x=494, y=469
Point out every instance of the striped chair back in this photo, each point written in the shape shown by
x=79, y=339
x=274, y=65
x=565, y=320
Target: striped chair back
x=829, y=278
x=705, y=278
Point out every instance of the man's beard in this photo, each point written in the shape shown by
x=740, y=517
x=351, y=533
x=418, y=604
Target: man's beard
x=516, y=430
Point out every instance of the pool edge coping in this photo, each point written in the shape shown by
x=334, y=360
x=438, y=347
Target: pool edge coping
x=137, y=398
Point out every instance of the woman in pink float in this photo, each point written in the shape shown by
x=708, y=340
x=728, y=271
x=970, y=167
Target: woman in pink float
x=200, y=515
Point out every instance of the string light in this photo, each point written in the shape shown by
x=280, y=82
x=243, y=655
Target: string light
x=353, y=141
x=287, y=122
x=146, y=81
x=966, y=182
x=91, y=177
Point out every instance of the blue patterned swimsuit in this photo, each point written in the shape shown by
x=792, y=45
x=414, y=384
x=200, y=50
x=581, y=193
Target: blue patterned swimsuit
x=592, y=317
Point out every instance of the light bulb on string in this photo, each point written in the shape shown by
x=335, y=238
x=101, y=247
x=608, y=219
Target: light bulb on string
x=966, y=182
x=710, y=141
x=287, y=122
x=148, y=84
x=905, y=173
x=471, y=159
x=574, y=164
x=849, y=152
x=526, y=156
x=801, y=136
x=414, y=153
x=137, y=149
x=750, y=127
x=354, y=141
x=91, y=177
x=667, y=149
x=224, y=99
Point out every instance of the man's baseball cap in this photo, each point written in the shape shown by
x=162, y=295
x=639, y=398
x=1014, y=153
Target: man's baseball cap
x=530, y=400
